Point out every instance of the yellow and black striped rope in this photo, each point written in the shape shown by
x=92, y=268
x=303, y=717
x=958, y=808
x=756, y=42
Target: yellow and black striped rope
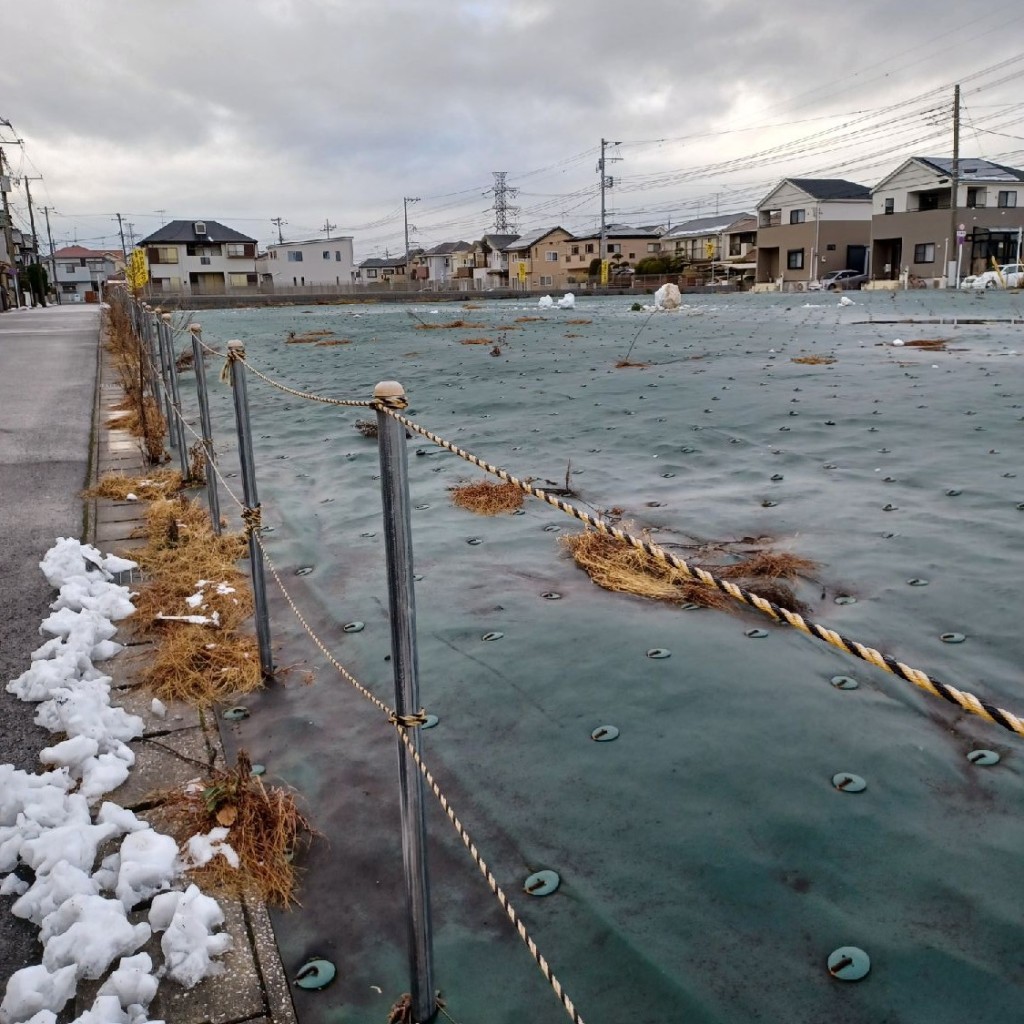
x=965, y=701
x=403, y=723
x=492, y=882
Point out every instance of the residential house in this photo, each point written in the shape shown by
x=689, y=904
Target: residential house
x=490, y=261
x=624, y=246
x=315, y=261
x=912, y=223
x=377, y=271
x=807, y=227
x=78, y=274
x=710, y=247
x=538, y=260
x=199, y=258
x=442, y=262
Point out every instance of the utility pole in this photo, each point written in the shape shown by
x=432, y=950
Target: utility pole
x=53, y=262
x=120, y=228
x=8, y=235
x=405, y=206
x=504, y=212
x=328, y=227
x=31, y=217
x=131, y=234
x=606, y=183
x=953, y=267
x=279, y=221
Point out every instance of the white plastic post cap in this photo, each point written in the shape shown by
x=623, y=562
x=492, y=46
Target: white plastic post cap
x=389, y=389
x=236, y=345
x=195, y=327
x=166, y=317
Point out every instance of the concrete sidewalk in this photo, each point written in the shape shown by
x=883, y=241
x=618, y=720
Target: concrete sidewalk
x=175, y=749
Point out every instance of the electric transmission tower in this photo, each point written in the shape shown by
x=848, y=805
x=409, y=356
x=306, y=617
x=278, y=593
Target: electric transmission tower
x=504, y=212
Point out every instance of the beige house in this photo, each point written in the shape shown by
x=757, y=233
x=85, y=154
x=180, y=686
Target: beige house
x=912, y=223
x=539, y=259
x=624, y=245
x=807, y=227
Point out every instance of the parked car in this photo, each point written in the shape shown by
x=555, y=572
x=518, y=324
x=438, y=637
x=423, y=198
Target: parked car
x=1010, y=275
x=836, y=280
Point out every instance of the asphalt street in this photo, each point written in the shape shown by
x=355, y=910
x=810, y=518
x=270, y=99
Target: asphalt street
x=47, y=387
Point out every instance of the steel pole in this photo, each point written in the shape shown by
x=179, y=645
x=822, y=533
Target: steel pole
x=236, y=350
x=394, y=488
x=212, y=497
x=152, y=363
x=176, y=428
x=158, y=344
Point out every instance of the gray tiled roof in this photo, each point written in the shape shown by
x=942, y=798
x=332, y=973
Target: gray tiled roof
x=972, y=168
x=380, y=263
x=831, y=188
x=183, y=231
x=532, y=238
x=705, y=225
x=445, y=248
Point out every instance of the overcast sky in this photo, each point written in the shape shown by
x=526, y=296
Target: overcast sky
x=334, y=110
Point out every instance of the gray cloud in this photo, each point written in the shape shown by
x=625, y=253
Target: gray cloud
x=248, y=109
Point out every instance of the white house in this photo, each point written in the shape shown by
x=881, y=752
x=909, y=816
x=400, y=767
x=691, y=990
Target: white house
x=80, y=273
x=490, y=261
x=441, y=262
x=199, y=258
x=315, y=261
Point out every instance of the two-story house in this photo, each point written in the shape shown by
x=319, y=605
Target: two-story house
x=912, y=223
x=314, y=261
x=807, y=227
x=443, y=261
x=79, y=274
x=624, y=246
x=199, y=258
x=386, y=270
x=490, y=261
x=537, y=259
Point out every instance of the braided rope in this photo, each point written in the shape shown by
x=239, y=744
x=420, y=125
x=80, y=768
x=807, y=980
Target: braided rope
x=402, y=724
x=963, y=700
x=307, y=395
x=492, y=882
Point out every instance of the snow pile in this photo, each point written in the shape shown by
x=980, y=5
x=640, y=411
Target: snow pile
x=668, y=296
x=846, y=301
x=567, y=301
x=48, y=827
x=545, y=302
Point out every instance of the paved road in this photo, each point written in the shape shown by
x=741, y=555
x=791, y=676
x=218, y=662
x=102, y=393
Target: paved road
x=47, y=385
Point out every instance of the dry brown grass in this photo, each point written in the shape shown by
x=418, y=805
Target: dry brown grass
x=932, y=344
x=528, y=319
x=331, y=342
x=117, y=486
x=450, y=325
x=813, y=360
x=265, y=829
x=616, y=566
x=775, y=565
x=624, y=363
x=308, y=337
x=202, y=666
x=487, y=498
x=472, y=305
x=579, y=321
x=476, y=341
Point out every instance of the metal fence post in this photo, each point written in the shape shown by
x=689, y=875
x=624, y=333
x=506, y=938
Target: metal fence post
x=394, y=488
x=161, y=367
x=212, y=497
x=236, y=351
x=175, y=428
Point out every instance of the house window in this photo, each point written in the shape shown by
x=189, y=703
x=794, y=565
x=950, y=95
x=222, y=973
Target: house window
x=795, y=259
x=70, y=267
x=162, y=254
x=654, y=247
x=632, y=255
x=371, y=272
x=831, y=247
x=204, y=260
x=326, y=254
x=238, y=249
x=294, y=256
x=575, y=250
x=976, y=198
x=589, y=248
x=614, y=247
x=797, y=217
x=924, y=253
x=241, y=280
x=890, y=205
x=550, y=256
x=337, y=256
x=1007, y=199
x=546, y=282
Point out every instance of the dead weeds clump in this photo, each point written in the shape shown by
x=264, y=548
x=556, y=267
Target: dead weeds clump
x=487, y=498
x=768, y=564
x=332, y=342
x=613, y=565
x=265, y=828
x=450, y=325
x=476, y=341
x=931, y=344
x=201, y=666
x=148, y=487
x=813, y=360
x=622, y=364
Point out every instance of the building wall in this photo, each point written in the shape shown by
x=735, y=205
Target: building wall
x=542, y=272
x=814, y=239
x=313, y=268
x=220, y=265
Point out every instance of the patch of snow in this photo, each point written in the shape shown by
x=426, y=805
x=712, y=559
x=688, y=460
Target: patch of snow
x=545, y=302
x=34, y=989
x=187, y=920
x=668, y=296
x=567, y=301
x=201, y=849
